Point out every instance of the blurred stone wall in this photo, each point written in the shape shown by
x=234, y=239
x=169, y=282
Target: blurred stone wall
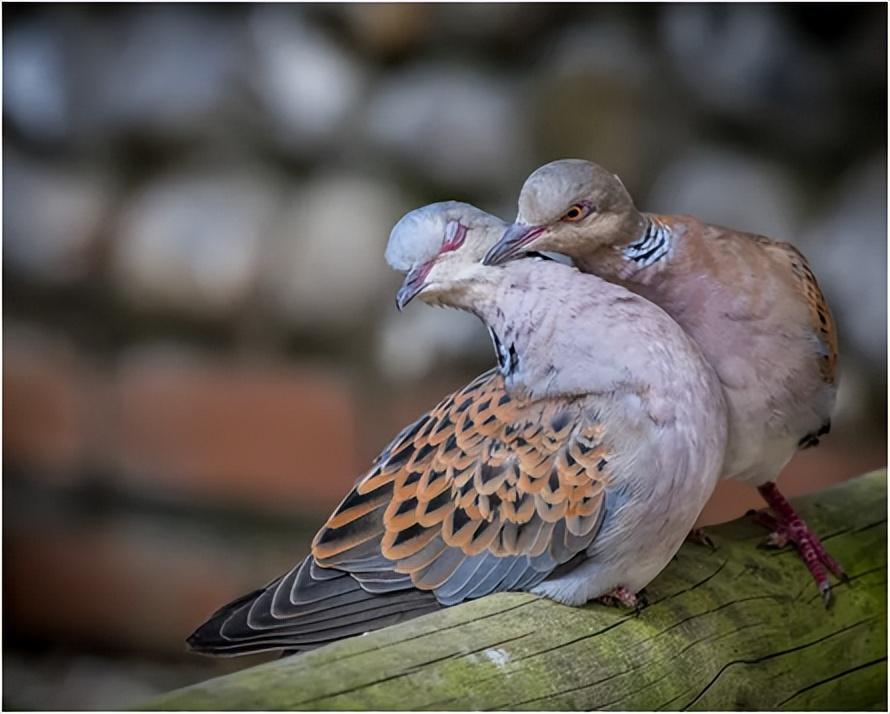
x=200, y=347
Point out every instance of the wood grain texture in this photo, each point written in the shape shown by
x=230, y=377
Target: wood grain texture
x=739, y=627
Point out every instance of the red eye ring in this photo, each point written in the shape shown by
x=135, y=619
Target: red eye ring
x=455, y=234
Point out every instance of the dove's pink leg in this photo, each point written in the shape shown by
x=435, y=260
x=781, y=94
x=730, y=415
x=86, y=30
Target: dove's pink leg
x=788, y=526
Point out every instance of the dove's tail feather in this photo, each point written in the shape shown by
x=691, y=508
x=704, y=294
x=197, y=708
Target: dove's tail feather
x=307, y=608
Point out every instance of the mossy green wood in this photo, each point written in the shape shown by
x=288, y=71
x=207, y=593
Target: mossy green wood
x=740, y=627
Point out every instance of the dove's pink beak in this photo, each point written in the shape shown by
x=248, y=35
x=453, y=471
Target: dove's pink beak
x=413, y=284
x=512, y=243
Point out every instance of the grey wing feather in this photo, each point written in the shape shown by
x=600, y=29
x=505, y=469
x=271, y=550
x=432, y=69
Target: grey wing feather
x=325, y=609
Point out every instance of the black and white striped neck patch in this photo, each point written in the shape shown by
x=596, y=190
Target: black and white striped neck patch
x=652, y=247
x=508, y=359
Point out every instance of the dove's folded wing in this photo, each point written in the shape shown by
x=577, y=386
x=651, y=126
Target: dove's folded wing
x=482, y=494
x=480, y=483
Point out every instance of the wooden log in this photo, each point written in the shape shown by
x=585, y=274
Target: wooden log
x=739, y=627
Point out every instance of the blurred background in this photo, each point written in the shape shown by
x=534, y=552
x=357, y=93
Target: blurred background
x=201, y=351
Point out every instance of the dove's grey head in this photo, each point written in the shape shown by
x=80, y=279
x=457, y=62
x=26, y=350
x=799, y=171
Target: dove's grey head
x=440, y=247
x=572, y=207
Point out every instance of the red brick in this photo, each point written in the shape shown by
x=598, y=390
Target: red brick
x=270, y=437
x=46, y=405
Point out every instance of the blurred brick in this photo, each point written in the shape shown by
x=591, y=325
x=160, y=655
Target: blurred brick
x=401, y=405
x=269, y=437
x=123, y=586
x=45, y=404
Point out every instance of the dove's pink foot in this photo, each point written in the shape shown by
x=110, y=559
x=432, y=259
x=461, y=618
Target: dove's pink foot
x=623, y=597
x=788, y=527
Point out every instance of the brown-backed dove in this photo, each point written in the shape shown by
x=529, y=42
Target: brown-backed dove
x=574, y=470
x=751, y=303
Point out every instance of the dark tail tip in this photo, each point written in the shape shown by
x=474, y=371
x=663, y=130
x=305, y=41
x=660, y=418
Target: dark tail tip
x=208, y=638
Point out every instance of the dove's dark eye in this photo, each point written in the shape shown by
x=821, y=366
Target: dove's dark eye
x=576, y=212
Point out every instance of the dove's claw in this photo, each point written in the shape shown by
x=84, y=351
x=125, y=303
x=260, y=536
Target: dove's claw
x=825, y=589
x=622, y=597
x=787, y=527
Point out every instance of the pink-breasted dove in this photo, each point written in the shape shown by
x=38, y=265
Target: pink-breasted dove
x=751, y=303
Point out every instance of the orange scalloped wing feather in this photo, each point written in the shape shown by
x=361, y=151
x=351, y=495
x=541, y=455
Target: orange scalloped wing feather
x=480, y=474
x=821, y=320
